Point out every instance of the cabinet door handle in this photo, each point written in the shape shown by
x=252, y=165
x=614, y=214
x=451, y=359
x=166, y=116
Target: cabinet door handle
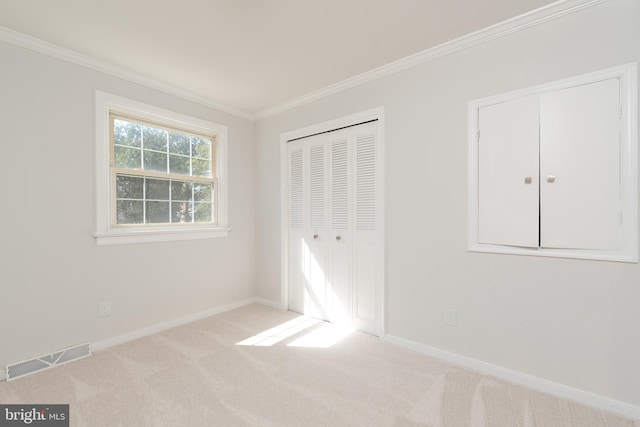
x=315, y=237
x=551, y=179
x=338, y=238
x=527, y=180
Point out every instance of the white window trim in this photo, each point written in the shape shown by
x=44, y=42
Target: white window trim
x=628, y=76
x=105, y=233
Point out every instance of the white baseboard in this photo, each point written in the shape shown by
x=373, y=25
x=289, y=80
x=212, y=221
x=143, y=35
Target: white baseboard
x=109, y=342
x=536, y=383
x=268, y=303
x=130, y=336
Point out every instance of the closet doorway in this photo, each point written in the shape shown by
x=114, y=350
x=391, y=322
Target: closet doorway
x=333, y=217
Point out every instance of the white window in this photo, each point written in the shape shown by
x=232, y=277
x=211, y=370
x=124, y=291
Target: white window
x=553, y=169
x=160, y=175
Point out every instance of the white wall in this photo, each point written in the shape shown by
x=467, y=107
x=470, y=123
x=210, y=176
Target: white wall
x=52, y=274
x=570, y=321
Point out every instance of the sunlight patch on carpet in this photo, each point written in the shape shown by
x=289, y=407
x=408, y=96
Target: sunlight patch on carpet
x=323, y=337
x=275, y=335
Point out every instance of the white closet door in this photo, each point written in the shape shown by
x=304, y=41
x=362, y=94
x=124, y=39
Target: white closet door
x=297, y=228
x=316, y=239
x=335, y=250
x=508, y=173
x=580, y=167
x=366, y=237
x=308, y=228
x=340, y=234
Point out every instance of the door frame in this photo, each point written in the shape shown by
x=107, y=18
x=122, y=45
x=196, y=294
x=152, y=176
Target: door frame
x=327, y=126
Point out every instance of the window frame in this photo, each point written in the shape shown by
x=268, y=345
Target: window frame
x=627, y=74
x=107, y=232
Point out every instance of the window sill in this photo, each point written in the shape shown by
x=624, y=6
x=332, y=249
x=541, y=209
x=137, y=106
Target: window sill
x=128, y=237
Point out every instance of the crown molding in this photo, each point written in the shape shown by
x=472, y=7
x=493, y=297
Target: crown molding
x=502, y=29
x=19, y=39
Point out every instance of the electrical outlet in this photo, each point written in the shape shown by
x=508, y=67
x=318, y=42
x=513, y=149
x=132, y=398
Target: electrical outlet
x=104, y=308
x=450, y=317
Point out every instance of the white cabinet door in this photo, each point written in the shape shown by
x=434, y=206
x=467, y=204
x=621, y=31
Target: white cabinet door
x=508, y=172
x=580, y=167
x=549, y=169
x=553, y=169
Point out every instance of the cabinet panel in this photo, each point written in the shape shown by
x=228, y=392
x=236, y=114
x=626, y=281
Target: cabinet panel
x=296, y=270
x=317, y=184
x=314, y=267
x=365, y=284
x=508, y=172
x=365, y=181
x=296, y=188
x=339, y=178
x=580, y=167
x=340, y=275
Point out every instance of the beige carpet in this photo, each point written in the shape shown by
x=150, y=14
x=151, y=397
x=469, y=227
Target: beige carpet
x=288, y=371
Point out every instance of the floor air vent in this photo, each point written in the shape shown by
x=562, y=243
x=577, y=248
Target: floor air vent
x=37, y=364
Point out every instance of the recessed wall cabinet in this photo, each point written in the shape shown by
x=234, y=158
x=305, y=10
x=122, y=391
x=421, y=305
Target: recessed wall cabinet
x=553, y=169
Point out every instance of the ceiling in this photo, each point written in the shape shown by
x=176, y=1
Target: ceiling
x=251, y=55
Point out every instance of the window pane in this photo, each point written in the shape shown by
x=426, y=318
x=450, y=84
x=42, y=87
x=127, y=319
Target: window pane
x=180, y=190
x=129, y=212
x=201, y=147
x=181, y=212
x=201, y=167
x=157, y=189
x=129, y=187
x=202, y=192
x=154, y=161
x=169, y=153
x=179, y=165
x=157, y=212
x=179, y=144
x=203, y=212
x=154, y=139
x=127, y=158
x=126, y=133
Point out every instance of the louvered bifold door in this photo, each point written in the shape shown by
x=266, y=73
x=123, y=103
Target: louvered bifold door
x=366, y=235
x=340, y=235
x=308, y=228
x=297, y=228
x=335, y=248
x=315, y=239
x=296, y=189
